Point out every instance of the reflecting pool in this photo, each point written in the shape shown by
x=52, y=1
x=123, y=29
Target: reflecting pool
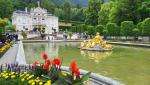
x=129, y=65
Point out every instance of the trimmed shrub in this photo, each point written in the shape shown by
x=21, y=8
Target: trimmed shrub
x=24, y=34
x=139, y=27
x=135, y=31
x=126, y=28
x=113, y=29
x=146, y=27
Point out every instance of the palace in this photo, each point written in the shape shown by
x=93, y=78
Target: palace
x=37, y=19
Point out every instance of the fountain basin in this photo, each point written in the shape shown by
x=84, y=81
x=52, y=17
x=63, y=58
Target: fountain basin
x=114, y=64
x=96, y=79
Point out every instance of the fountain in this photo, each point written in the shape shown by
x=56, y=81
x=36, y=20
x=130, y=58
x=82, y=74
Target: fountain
x=96, y=44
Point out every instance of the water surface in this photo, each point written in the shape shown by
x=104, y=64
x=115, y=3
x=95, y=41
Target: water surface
x=129, y=65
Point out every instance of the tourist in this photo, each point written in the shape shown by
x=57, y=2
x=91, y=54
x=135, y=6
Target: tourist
x=16, y=37
x=48, y=37
x=82, y=35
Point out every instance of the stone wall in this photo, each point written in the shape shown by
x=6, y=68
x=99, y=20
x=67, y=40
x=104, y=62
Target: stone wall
x=96, y=79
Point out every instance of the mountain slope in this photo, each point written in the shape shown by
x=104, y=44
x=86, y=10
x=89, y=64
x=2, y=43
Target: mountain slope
x=81, y=2
x=74, y=2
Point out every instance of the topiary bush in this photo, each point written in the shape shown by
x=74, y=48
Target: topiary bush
x=126, y=28
x=113, y=29
x=24, y=34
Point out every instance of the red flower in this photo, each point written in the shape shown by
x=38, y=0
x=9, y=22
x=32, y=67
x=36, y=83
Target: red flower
x=48, y=61
x=56, y=61
x=76, y=71
x=46, y=66
x=45, y=56
x=73, y=66
x=35, y=64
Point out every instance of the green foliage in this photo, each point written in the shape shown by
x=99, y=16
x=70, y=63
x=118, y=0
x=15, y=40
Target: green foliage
x=139, y=27
x=77, y=14
x=62, y=10
x=4, y=47
x=53, y=75
x=38, y=71
x=92, y=12
x=100, y=28
x=11, y=28
x=73, y=29
x=91, y=30
x=67, y=13
x=127, y=27
x=58, y=12
x=49, y=5
x=79, y=28
x=135, y=31
x=68, y=79
x=125, y=10
x=85, y=77
x=105, y=12
x=83, y=28
x=16, y=81
x=146, y=27
x=144, y=9
x=3, y=23
x=21, y=4
x=67, y=10
x=105, y=31
x=6, y=8
x=113, y=29
x=97, y=12
x=24, y=34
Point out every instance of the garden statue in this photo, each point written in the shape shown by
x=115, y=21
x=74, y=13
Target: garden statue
x=96, y=44
x=97, y=38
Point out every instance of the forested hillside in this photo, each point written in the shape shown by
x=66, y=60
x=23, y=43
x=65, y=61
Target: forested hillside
x=109, y=17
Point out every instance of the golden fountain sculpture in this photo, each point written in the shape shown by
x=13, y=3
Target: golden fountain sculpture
x=96, y=44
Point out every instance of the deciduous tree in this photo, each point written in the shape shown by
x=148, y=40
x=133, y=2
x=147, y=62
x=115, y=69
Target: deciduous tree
x=92, y=12
x=6, y=8
x=125, y=10
x=67, y=10
x=105, y=12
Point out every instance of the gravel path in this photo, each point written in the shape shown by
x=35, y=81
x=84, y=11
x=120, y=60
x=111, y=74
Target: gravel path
x=10, y=55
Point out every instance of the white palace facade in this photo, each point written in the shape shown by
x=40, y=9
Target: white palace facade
x=35, y=20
